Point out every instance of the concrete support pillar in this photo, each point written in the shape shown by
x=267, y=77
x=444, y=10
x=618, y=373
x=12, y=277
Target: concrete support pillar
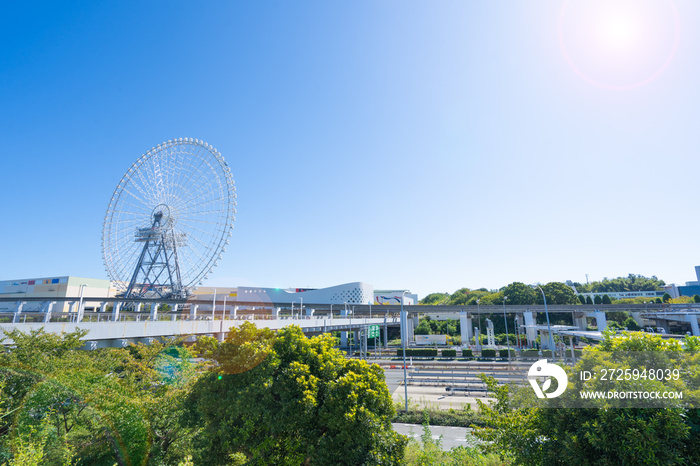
x=692, y=319
x=490, y=336
x=154, y=311
x=115, y=311
x=530, y=330
x=580, y=320
x=386, y=333
x=234, y=312
x=309, y=312
x=571, y=345
x=48, y=308
x=71, y=306
x=18, y=312
x=477, y=339
x=103, y=306
x=275, y=312
x=637, y=316
x=81, y=312
x=465, y=327
x=139, y=306
x=600, y=320
x=175, y=308
x=662, y=326
x=193, y=311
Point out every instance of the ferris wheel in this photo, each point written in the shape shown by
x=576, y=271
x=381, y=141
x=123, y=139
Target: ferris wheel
x=169, y=220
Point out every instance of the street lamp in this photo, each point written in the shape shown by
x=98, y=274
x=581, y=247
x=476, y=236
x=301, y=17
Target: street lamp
x=404, y=341
x=506, y=322
x=549, y=328
x=478, y=311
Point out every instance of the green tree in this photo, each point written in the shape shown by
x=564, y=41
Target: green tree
x=582, y=299
x=696, y=298
x=557, y=293
x=435, y=299
x=535, y=432
x=597, y=300
x=631, y=282
x=303, y=403
x=666, y=297
x=519, y=293
x=589, y=300
x=606, y=299
x=104, y=407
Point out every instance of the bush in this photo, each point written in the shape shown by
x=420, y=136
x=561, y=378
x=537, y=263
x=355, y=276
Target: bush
x=488, y=353
x=531, y=353
x=467, y=353
x=449, y=353
x=503, y=353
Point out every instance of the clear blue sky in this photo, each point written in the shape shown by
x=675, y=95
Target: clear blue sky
x=421, y=145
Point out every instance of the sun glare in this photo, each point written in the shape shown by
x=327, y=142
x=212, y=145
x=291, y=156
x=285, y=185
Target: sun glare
x=619, y=32
x=618, y=44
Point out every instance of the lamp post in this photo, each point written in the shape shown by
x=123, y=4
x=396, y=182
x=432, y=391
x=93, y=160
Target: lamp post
x=404, y=341
x=505, y=320
x=301, y=307
x=292, y=311
x=478, y=311
x=549, y=328
x=331, y=311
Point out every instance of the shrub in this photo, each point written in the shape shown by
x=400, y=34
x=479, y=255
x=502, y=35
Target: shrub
x=488, y=353
x=531, y=353
x=467, y=353
x=449, y=353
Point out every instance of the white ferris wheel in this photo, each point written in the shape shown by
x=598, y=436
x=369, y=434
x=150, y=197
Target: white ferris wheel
x=169, y=220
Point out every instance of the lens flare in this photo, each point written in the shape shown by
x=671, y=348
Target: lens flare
x=618, y=44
